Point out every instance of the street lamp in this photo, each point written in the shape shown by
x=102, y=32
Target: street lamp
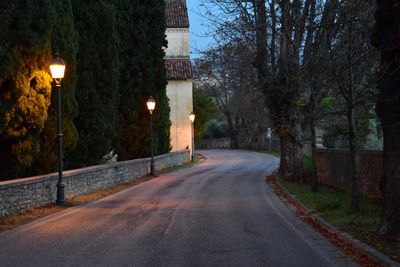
x=57, y=69
x=191, y=117
x=151, y=104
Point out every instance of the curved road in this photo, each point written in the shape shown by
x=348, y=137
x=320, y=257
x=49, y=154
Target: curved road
x=218, y=213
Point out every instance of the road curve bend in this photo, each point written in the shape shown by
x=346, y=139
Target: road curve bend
x=218, y=213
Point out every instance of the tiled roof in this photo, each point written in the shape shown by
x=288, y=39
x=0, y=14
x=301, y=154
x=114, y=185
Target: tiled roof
x=176, y=14
x=178, y=69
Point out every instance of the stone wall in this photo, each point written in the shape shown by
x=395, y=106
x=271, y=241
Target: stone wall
x=22, y=194
x=333, y=168
x=247, y=143
x=244, y=143
x=221, y=143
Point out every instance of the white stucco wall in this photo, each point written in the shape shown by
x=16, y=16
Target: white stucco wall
x=178, y=43
x=181, y=104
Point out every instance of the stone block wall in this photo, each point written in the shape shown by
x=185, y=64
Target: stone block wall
x=26, y=193
x=333, y=168
x=213, y=143
x=247, y=143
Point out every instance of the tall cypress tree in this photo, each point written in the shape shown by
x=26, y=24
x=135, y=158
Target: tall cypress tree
x=24, y=82
x=142, y=35
x=97, y=85
x=63, y=41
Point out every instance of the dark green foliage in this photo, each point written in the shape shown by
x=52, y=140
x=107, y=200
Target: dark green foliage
x=30, y=32
x=64, y=41
x=97, y=85
x=215, y=129
x=307, y=166
x=142, y=74
x=24, y=82
x=336, y=132
x=203, y=109
x=86, y=34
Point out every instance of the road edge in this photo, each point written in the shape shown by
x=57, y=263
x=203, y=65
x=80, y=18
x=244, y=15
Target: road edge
x=323, y=227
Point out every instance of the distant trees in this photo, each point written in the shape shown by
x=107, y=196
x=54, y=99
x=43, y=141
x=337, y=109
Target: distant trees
x=226, y=74
x=113, y=51
x=204, y=108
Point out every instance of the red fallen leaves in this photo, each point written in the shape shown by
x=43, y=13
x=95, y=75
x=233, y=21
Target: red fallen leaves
x=339, y=241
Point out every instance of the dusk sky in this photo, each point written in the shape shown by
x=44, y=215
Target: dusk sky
x=198, y=29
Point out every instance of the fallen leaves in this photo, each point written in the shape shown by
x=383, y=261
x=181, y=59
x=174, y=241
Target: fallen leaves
x=337, y=239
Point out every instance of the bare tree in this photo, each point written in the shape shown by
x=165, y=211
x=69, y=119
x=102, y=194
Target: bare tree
x=304, y=51
x=225, y=73
x=350, y=61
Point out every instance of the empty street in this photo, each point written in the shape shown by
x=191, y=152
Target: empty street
x=218, y=213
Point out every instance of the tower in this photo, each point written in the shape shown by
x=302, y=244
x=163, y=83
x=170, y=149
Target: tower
x=179, y=73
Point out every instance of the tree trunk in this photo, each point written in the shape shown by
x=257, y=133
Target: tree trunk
x=354, y=161
x=234, y=134
x=285, y=168
x=390, y=184
x=261, y=42
x=353, y=144
x=315, y=182
x=261, y=60
x=386, y=37
x=298, y=151
x=306, y=126
x=291, y=165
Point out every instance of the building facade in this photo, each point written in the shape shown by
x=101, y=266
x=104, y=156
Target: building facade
x=179, y=73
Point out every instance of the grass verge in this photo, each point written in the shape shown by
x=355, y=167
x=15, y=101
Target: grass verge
x=334, y=206
x=307, y=166
x=10, y=222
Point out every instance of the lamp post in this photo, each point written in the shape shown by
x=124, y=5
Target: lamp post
x=57, y=69
x=191, y=117
x=151, y=104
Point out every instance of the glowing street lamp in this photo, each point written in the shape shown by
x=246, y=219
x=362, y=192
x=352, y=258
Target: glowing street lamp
x=151, y=105
x=191, y=118
x=57, y=69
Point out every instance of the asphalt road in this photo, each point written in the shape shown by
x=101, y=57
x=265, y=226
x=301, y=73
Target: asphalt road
x=218, y=213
